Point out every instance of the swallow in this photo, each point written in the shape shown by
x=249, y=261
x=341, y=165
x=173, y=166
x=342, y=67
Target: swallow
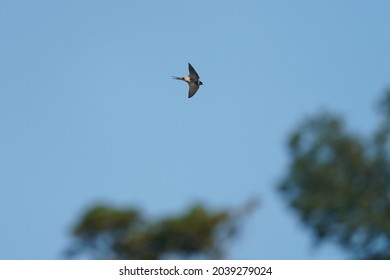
x=192, y=80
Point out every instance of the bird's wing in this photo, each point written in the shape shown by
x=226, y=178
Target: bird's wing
x=193, y=89
x=193, y=73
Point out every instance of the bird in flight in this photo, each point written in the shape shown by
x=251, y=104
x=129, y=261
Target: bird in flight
x=192, y=80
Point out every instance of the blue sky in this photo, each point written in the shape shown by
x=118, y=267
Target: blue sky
x=89, y=112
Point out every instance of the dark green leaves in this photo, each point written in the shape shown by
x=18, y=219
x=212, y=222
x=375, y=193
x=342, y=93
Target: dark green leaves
x=339, y=183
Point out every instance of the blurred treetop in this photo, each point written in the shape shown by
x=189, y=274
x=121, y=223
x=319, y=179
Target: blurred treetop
x=106, y=232
x=339, y=183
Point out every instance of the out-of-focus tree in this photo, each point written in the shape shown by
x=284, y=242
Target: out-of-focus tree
x=106, y=232
x=339, y=183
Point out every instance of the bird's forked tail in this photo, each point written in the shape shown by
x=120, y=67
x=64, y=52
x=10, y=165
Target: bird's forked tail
x=177, y=78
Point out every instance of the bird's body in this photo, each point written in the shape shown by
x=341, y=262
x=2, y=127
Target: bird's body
x=192, y=80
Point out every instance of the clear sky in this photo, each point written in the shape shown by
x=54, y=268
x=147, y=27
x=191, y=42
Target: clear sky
x=89, y=112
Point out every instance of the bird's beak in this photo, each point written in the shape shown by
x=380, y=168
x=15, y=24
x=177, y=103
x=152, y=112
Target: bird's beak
x=200, y=82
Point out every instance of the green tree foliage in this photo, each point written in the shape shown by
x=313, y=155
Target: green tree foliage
x=106, y=232
x=339, y=183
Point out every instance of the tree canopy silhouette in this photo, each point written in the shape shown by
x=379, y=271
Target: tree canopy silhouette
x=339, y=183
x=106, y=232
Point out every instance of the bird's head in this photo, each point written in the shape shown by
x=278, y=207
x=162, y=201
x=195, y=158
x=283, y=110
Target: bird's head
x=200, y=82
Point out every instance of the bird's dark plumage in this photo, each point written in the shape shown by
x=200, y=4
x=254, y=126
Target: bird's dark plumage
x=193, y=73
x=192, y=80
